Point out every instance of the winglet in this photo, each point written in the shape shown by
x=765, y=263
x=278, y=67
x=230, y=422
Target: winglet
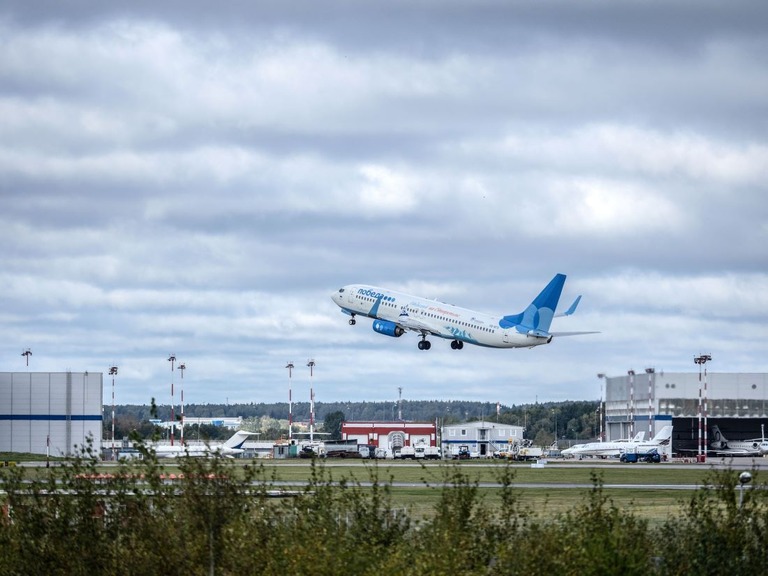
x=572, y=309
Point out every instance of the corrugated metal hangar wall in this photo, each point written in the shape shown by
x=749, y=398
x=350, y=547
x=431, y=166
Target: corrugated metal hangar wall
x=50, y=411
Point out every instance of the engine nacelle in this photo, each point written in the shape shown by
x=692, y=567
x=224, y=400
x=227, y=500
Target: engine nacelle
x=387, y=328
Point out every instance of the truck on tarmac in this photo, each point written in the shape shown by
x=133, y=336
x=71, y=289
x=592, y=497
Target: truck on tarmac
x=650, y=456
x=422, y=451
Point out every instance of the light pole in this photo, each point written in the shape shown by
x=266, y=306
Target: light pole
x=702, y=360
x=27, y=353
x=290, y=401
x=601, y=408
x=650, y=372
x=311, y=364
x=113, y=373
x=631, y=403
x=182, y=367
x=172, y=359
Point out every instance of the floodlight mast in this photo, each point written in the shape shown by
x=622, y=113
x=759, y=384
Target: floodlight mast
x=290, y=401
x=631, y=403
x=113, y=373
x=172, y=359
x=701, y=360
x=27, y=353
x=650, y=372
x=182, y=367
x=311, y=364
x=601, y=408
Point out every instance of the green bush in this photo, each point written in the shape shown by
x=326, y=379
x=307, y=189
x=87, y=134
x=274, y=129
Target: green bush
x=220, y=517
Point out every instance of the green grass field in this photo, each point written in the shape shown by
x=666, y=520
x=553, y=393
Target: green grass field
x=546, y=491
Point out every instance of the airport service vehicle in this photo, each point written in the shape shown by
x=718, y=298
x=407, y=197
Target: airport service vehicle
x=635, y=456
x=463, y=453
x=342, y=450
x=395, y=313
x=422, y=451
x=405, y=453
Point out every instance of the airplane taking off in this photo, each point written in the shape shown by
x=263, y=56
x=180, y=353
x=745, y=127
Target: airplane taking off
x=229, y=449
x=724, y=447
x=394, y=313
x=605, y=449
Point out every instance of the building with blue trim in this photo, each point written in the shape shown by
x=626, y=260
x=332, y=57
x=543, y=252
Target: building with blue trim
x=52, y=413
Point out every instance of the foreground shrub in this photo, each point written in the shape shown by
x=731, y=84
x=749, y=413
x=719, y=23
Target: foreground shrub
x=220, y=517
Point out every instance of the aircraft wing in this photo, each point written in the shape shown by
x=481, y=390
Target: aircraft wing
x=407, y=322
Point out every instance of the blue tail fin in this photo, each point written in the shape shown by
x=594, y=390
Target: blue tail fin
x=538, y=316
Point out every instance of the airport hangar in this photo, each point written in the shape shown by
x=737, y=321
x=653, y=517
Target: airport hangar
x=647, y=400
x=51, y=413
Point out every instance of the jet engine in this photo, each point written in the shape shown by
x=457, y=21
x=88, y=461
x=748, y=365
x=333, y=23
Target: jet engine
x=387, y=328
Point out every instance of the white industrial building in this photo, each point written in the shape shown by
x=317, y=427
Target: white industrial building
x=50, y=412
x=647, y=400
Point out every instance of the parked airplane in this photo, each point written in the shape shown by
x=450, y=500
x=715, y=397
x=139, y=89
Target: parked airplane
x=615, y=448
x=229, y=449
x=724, y=447
x=394, y=313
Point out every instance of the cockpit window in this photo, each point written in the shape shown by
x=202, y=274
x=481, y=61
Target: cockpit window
x=341, y=290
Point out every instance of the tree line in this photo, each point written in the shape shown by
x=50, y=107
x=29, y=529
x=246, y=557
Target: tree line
x=568, y=421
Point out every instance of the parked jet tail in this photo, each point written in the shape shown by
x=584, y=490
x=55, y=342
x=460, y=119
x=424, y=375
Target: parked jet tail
x=237, y=440
x=663, y=437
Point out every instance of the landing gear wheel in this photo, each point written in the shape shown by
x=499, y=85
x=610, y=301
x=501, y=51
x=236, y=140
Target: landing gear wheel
x=457, y=344
x=425, y=344
x=352, y=321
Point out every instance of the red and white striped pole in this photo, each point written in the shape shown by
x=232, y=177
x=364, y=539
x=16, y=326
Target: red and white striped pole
x=311, y=365
x=182, y=367
x=113, y=373
x=701, y=361
x=172, y=359
x=631, y=403
x=290, y=401
x=650, y=372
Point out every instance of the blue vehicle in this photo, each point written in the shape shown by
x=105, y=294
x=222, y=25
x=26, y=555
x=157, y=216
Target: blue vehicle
x=650, y=456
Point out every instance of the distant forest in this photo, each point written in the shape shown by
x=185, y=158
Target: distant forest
x=568, y=421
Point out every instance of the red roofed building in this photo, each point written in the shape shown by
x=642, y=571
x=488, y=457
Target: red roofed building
x=390, y=436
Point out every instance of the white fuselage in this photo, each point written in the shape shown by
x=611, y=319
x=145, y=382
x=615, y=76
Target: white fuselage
x=433, y=317
x=756, y=447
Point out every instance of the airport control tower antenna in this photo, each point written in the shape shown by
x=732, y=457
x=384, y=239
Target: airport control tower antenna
x=400, y=403
x=290, y=401
x=113, y=373
x=27, y=353
x=311, y=365
x=182, y=367
x=172, y=359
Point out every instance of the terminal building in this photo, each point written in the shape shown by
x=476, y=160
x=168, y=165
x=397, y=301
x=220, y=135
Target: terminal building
x=53, y=413
x=737, y=403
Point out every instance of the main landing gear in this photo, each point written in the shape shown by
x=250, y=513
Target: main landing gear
x=457, y=344
x=352, y=320
x=424, y=344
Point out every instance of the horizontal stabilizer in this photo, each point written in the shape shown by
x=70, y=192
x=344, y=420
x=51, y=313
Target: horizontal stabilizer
x=558, y=334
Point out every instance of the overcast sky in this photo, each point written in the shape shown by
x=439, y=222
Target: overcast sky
x=197, y=178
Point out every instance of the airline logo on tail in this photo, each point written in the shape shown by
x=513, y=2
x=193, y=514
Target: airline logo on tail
x=395, y=313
